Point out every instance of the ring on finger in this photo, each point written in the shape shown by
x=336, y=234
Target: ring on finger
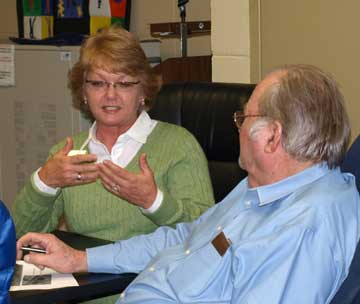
x=79, y=177
x=115, y=188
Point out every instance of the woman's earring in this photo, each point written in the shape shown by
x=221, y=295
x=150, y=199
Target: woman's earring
x=142, y=100
x=85, y=100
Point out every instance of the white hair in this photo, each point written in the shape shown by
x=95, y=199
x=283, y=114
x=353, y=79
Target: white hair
x=259, y=124
x=308, y=103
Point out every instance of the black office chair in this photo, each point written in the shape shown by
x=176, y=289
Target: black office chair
x=349, y=292
x=205, y=109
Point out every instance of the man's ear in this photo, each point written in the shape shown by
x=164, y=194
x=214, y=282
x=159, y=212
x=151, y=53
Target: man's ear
x=274, y=137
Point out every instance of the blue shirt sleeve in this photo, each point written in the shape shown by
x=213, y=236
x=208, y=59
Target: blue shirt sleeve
x=7, y=253
x=115, y=258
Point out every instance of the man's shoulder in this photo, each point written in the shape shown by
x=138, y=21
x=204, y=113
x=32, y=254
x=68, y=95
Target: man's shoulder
x=334, y=194
x=332, y=187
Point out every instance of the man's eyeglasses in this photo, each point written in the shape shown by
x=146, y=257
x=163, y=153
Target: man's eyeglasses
x=239, y=118
x=119, y=86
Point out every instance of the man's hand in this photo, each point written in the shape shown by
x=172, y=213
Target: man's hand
x=58, y=256
x=139, y=189
x=62, y=170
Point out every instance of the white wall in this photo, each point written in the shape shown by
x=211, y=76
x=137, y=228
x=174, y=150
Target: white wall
x=321, y=32
x=235, y=51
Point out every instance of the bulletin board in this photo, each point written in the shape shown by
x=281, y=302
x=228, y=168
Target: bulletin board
x=41, y=19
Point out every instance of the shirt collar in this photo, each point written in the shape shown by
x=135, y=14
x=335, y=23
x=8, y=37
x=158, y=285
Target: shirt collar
x=270, y=193
x=139, y=131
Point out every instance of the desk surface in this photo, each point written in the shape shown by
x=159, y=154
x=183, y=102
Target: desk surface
x=90, y=284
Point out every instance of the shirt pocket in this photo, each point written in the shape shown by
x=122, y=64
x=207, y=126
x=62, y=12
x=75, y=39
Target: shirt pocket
x=203, y=273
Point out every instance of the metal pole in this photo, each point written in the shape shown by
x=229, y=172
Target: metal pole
x=183, y=27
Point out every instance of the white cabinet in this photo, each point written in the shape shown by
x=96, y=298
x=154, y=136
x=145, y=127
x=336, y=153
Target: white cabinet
x=35, y=113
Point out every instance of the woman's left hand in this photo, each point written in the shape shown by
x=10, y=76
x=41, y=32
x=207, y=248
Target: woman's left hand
x=137, y=188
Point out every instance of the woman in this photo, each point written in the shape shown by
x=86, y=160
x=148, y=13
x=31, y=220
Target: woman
x=137, y=173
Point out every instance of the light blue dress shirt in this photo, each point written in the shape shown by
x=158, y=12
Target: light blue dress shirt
x=291, y=242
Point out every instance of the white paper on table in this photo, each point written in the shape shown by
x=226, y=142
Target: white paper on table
x=28, y=276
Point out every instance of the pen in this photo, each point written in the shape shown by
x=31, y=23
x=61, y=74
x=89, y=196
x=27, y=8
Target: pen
x=30, y=249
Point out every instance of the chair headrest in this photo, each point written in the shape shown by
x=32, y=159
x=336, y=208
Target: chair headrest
x=205, y=109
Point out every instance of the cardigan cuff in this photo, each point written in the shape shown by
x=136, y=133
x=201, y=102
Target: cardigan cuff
x=167, y=211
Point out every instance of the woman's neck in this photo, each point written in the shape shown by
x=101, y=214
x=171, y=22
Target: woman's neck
x=109, y=135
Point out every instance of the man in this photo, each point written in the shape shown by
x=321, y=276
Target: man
x=285, y=234
x=7, y=253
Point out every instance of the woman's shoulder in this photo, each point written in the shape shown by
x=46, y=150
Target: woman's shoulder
x=171, y=129
x=178, y=137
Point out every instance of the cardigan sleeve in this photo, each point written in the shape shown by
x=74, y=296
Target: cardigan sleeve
x=36, y=211
x=186, y=185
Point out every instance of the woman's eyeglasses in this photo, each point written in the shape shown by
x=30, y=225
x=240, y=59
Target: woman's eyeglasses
x=119, y=86
x=239, y=118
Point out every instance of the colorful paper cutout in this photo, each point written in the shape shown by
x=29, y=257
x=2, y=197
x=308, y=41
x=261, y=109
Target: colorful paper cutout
x=70, y=8
x=118, y=8
x=38, y=27
x=32, y=7
x=41, y=17
x=99, y=8
x=98, y=22
x=121, y=21
x=47, y=7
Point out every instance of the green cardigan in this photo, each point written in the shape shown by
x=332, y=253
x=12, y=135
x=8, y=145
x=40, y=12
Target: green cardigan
x=181, y=173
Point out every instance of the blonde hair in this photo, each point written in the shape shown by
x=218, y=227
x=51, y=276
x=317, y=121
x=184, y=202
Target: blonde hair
x=113, y=50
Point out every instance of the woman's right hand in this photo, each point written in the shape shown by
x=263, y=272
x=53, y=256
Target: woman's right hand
x=62, y=170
